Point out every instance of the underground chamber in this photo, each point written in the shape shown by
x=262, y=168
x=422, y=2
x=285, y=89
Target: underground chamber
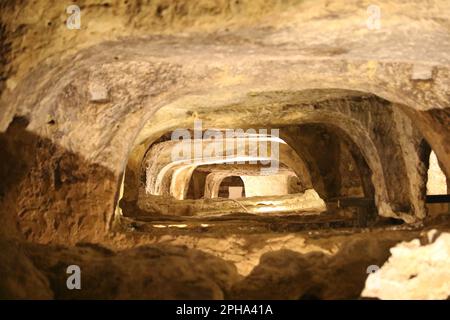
x=212, y=156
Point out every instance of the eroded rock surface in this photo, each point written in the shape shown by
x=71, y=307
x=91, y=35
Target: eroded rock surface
x=151, y=272
x=79, y=109
x=414, y=271
x=286, y=274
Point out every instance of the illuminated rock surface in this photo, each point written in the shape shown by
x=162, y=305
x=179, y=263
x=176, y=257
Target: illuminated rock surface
x=86, y=168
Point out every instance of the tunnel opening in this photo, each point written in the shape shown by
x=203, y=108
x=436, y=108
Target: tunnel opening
x=232, y=187
x=242, y=179
x=322, y=177
x=341, y=165
x=349, y=162
x=437, y=185
x=436, y=179
x=333, y=154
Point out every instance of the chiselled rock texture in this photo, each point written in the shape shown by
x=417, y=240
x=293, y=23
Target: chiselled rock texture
x=153, y=272
x=93, y=100
x=20, y=277
x=308, y=201
x=294, y=267
x=86, y=168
